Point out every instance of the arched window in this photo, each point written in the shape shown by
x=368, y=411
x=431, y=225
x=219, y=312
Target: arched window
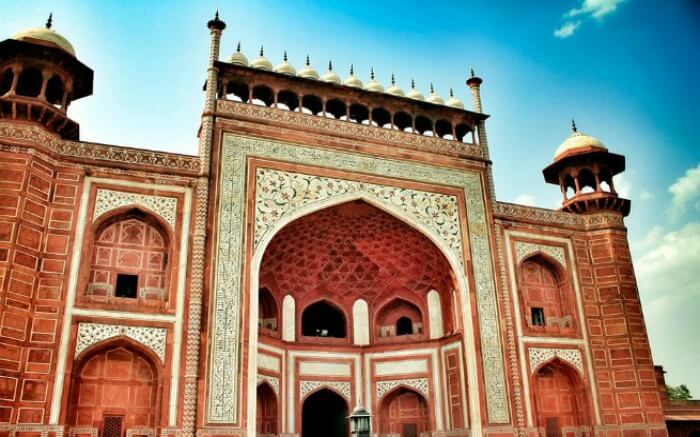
x=54, y=90
x=115, y=389
x=129, y=259
x=586, y=181
x=266, y=420
x=287, y=100
x=546, y=304
x=424, y=126
x=462, y=130
x=262, y=96
x=267, y=311
x=405, y=413
x=336, y=108
x=443, y=129
x=358, y=113
x=29, y=83
x=404, y=326
x=312, y=105
x=322, y=319
x=397, y=318
x=237, y=91
x=381, y=117
x=403, y=122
x=324, y=414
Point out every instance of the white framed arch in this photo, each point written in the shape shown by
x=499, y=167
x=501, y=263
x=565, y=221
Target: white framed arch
x=108, y=200
x=456, y=265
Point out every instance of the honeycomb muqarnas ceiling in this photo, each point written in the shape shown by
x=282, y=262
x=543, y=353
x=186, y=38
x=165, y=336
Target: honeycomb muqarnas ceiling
x=350, y=251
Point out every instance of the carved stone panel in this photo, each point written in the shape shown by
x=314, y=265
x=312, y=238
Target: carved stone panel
x=108, y=200
x=92, y=333
x=539, y=355
x=524, y=249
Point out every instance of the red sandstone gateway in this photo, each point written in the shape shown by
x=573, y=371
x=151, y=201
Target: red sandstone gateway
x=333, y=245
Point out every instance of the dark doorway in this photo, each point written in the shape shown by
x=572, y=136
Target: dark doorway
x=322, y=320
x=323, y=415
x=404, y=326
x=126, y=286
x=267, y=410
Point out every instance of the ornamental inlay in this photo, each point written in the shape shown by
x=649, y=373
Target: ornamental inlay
x=225, y=354
x=549, y=216
x=272, y=380
x=539, y=355
x=343, y=388
x=92, y=333
x=524, y=249
x=420, y=384
x=108, y=200
x=280, y=193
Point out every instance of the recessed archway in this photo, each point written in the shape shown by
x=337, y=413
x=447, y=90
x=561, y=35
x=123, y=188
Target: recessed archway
x=266, y=420
x=323, y=415
x=405, y=413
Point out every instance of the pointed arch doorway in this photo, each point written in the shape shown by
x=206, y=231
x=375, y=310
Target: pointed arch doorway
x=323, y=415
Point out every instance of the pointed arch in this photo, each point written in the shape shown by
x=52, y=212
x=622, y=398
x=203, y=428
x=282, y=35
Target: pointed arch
x=404, y=408
x=267, y=414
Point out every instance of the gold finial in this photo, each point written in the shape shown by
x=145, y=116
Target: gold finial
x=238, y=47
x=452, y=94
x=413, y=84
x=432, y=91
x=49, y=22
x=371, y=74
x=330, y=65
x=472, y=72
x=573, y=126
x=393, y=80
x=307, y=61
x=262, y=51
x=285, y=56
x=352, y=70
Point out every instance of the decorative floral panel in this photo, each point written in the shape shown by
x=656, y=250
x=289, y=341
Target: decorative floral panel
x=306, y=387
x=92, y=333
x=524, y=249
x=420, y=384
x=108, y=200
x=539, y=355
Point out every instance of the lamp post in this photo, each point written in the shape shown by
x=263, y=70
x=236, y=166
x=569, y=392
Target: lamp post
x=359, y=422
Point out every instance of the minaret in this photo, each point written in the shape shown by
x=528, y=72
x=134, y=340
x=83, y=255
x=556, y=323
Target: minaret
x=474, y=84
x=584, y=169
x=39, y=78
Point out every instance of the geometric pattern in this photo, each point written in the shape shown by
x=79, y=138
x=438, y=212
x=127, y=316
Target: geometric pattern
x=341, y=387
x=539, y=355
x=273, y=381
x=108, y=200
x=420, y=384
x=524, y=249
x=92, y=333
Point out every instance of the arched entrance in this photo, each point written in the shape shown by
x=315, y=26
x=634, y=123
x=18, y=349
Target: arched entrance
x=323, y=415
x=114, y=389
x=404, y=412
x=560, y=400
x=266, y=411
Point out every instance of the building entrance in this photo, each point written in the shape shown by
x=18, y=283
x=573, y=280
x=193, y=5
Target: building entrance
x=323, y=415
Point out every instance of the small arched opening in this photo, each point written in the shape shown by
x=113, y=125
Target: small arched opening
x=324, y=415
x=424, y=126
x=115, y=388
x=6, y=79
x=336, y=109
x=54, y=91
x=29, y=83
x=399, y=317
x=462, y=131
x=266, y=413
x=267, y=311
x=381, y=117
x=263, y=96
x=403, y=122
x=321, y=319
x=359, y=113
x=312, y=105
x=560, y=400
x=237, y=91
x=545, y=296
x=443, y=129
x=287, y=100
x=404, y=412
x=586, y=181
x=569, y=187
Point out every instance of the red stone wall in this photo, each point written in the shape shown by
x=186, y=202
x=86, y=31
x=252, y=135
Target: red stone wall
x=37, y=211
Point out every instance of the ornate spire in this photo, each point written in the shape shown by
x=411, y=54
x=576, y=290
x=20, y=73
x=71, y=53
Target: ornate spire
x=573, y=126
x=238, y=47
x=284, y=58
x=49, y=22
x=393, y=79
x=330, y=65
x=472, y=72
x=413, y=84
x=262, y=51
x=432, y=91
x=216, y=23
x=371, y=73
x=352, y=70
x=308, y=62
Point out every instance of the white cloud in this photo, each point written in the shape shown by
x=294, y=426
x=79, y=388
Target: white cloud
x=646, y=195
x=525, y=199
x=595, y=8
x=669, y=285
x=622, y=186
x=685, y=192
x=567, y=29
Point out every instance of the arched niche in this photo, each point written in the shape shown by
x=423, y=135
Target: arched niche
x=237, y=91
x=287, y=100
x=117, y=385
x=263, y=95
x=268, y=314
x=7, y=76
x=323, y=319
x=404, y=412
x=324, y=414
x=545, y=295
x=397, y=319
x=30, y=82
x=267, y=412
x=560, y=399
x=130, y=253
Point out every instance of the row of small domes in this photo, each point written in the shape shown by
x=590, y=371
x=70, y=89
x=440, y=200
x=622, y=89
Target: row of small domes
x=307, y=72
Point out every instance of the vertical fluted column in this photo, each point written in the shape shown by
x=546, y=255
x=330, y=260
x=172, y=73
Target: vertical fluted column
x=192, y=354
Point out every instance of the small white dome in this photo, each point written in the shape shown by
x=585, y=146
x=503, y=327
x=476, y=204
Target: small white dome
x=578, y=142
x=307, y=72
x=285, y=67
x=454, y=101
x=394, y=89
x=413, y=93
x=373, y=84
x=351, y=80
x=46, y=36
x=261, y=62
x=238, y=58
x=330, y=75
x=434, y=98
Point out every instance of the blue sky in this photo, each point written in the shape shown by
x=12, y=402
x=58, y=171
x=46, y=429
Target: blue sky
x=626, y=70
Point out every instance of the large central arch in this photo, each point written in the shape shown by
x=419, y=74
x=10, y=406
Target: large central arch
x=455, y=264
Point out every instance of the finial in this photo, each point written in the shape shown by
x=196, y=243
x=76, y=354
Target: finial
x=285, y=56
x=472, y=72
x=393, y=80
x=352, y=70
x=413, y=84
x=573, y=126
x=307, y=60
x=330, y=65
x=452, y=94
x=371, y=74
x=238, y=47
x=262, y=51
x=49, y=22
x=216, y=15
x=432, y=91
x=216, y=23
